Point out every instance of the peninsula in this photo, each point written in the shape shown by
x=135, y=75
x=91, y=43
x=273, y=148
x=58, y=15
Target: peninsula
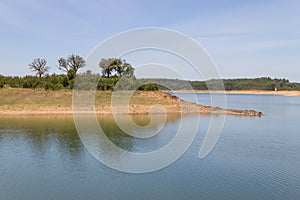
x=20, y=101
x=52, y=93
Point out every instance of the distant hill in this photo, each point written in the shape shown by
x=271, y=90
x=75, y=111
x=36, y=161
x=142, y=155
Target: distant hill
x=264, y=83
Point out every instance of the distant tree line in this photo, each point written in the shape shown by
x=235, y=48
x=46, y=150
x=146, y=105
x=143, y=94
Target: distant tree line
x=264, y=83
x=116, y=70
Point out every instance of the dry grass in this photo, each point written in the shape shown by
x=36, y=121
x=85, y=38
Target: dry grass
x=28, y=99
x=16, y=101
x=40, y=100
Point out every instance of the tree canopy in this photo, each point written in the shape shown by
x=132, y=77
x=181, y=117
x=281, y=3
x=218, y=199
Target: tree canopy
x=115, y=67
x=71, y=63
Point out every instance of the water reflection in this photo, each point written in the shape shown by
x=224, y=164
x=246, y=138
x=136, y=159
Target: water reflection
x=43, y=134
x=256, y=158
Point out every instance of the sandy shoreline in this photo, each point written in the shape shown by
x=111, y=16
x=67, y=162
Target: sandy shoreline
x=196, y=110
x=256, y=92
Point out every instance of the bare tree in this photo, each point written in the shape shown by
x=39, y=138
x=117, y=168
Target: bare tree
x=38, y=65
x=72, y=63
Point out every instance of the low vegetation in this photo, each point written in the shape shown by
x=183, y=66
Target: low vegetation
x=113, y=71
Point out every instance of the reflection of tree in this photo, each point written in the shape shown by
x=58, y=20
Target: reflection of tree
x=129, y=143
x=115, y=134
x=56, y=135
x=41, y=134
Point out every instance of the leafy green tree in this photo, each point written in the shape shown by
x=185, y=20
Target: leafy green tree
x=71, y=64
x=115, y=67
x=2, y=81
x=149, y=87
x=38, y=65
x=107, y=66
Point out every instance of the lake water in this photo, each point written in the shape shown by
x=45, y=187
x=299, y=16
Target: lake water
x=255, y=158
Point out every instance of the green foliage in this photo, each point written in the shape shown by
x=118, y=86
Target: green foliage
x=115, y=67
x=126, y=83
x=56, y=82
x=1, y=81
x=149, y=87
x=87, y=81
x=120, y=74
x=49, y=82
x=30, y=82
x=107, y=83
x=168, y=84
x=264, y=83
x=70, y=66
x=72, y=63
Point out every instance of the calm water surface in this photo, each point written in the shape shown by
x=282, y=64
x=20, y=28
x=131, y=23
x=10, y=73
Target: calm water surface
x=255, y=158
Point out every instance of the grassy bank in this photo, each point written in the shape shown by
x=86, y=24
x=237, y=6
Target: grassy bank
x=17, y=101
x=22, y=101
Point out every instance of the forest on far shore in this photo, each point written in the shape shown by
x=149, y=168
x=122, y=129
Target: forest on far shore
x=263, y=83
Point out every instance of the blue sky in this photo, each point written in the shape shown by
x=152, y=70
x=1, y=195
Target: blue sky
x=244, y=38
